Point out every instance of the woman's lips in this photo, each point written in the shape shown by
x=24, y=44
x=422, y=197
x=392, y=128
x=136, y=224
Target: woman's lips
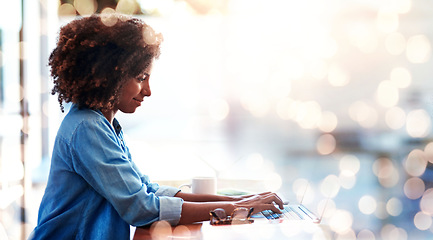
x=138, y=101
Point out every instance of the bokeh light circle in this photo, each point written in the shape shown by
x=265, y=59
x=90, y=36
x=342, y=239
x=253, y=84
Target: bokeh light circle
x=418, y=123
x=391, y=232
x=108, y=17
x=86, y=7
x=350, y=163
x=341, y=221
x=387, y=94
x=428, y=151
x=328, y=121
x=418, y=49
x=330, y=186
x=367, y=204
x=366, y=234
x=422, y=221
x=414, y=188
x=326, y=144
x=347, y=179
x=426, y=203
x=415, y=163
x=386, y=172
x=394, y=207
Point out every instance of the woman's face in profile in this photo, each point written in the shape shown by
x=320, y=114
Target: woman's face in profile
x=134, y=91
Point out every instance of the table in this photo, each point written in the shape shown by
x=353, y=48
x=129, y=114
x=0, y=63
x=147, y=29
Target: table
x=260, y=229
x=163, y=230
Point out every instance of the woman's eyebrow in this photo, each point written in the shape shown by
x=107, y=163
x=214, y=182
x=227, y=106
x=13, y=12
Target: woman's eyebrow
x=143, y=75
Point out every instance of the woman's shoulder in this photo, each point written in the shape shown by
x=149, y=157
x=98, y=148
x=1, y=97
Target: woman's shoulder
x=82, y=117
x=78, y=115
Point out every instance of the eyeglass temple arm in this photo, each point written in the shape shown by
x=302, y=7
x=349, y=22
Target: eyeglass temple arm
x=250, y=212
x=215, y=215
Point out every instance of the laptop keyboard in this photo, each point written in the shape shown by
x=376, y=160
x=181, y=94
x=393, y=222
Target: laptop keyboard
x=289, y=212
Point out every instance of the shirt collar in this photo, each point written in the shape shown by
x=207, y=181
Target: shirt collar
x=117, y=126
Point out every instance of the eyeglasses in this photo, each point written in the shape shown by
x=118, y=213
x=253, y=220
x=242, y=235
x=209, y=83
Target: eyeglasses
x=239, y=216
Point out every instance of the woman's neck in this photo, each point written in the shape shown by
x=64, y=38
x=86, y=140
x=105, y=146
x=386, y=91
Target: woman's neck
x=109, y=115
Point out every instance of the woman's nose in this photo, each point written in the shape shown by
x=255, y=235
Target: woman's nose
x=146, y=90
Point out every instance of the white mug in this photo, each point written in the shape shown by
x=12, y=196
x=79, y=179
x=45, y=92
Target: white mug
x=202, y=185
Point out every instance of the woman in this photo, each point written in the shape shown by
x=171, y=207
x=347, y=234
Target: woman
x=102, y=65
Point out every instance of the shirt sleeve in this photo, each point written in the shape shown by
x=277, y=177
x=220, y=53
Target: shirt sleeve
x=101, y=158
x=151, y=187
x=170, y=206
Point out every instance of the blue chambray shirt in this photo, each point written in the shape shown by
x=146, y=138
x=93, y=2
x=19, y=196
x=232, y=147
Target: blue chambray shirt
x=94, y=189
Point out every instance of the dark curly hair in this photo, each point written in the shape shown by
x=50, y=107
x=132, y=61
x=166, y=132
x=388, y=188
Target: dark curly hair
x=94, y=57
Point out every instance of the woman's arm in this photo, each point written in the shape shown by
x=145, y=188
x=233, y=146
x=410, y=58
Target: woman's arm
x=192, y=197
x=199, y=211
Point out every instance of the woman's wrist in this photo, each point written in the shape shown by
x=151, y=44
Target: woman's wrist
x=231, y=198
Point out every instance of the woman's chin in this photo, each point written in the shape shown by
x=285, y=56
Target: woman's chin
x=128, y=110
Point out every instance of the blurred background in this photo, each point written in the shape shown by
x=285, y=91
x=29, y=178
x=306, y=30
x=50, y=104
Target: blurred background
x=265, y=95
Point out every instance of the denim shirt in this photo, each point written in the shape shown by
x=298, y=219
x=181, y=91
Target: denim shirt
x=94, y=189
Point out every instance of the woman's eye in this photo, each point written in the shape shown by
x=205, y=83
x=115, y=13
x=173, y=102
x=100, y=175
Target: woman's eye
x=143, y=78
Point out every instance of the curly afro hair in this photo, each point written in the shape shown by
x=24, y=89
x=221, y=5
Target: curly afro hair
x=94, y=57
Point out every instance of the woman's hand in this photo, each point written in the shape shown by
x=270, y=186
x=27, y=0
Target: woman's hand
x=261, y=202
x=197, y=206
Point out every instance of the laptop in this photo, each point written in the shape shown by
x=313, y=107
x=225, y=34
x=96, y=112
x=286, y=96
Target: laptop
x=292, y=212
x=296, y=222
